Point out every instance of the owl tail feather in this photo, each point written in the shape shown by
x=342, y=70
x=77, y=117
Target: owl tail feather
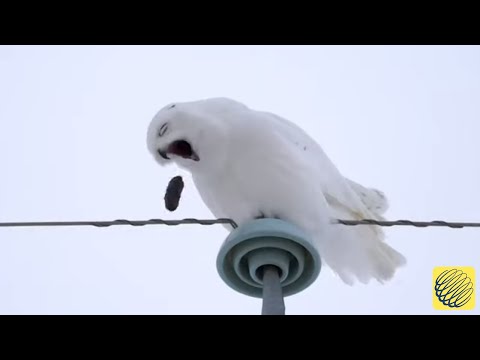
x=359, y=254
x=373, y=199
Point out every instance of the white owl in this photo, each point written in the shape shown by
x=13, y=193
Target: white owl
x=248, y=164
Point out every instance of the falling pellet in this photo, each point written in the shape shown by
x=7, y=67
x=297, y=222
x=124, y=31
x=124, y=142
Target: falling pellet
x=173, y=193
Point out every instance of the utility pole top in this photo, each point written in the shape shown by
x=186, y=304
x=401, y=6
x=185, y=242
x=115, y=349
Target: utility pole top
x=269, y=259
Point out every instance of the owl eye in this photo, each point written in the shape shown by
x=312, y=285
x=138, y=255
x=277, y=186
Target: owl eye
x=171, y=106
x=163, y=129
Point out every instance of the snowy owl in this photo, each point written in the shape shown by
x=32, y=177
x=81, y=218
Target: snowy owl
x=248, y=164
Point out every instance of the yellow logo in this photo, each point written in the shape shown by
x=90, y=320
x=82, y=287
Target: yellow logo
x=453, y=288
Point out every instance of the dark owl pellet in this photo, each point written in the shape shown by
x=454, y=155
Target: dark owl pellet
x=173, y=193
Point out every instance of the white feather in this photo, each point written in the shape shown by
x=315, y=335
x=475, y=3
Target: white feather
x=254, y=163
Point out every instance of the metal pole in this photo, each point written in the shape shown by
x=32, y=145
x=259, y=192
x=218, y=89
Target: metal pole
x=273, y=303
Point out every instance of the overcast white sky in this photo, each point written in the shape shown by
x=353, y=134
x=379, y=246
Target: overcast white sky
x=73, y=121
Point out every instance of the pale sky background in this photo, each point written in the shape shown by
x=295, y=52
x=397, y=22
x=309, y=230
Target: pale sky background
x=73, y=121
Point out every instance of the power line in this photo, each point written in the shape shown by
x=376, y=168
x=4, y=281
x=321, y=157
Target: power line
x=453, y=225
x=438, y=223
x=122, y=222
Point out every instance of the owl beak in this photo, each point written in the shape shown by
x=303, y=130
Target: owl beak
x=163, y=154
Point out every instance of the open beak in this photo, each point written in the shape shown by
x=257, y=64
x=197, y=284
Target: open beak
x=180, y=148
